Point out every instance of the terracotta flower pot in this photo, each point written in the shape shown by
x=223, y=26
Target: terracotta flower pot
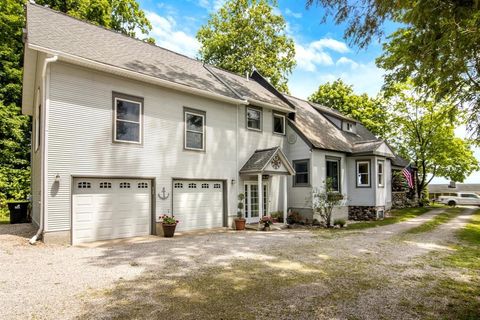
x=240, y=224
x=168, y=230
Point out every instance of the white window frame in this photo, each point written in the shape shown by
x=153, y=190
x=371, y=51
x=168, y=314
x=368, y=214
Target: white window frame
x=140, y=122
x=284, y=122
x=381, y=175
x=260, y=120
x=187, y=112
x=358, y=184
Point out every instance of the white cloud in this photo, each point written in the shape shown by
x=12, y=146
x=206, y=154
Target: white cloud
x=314, y=53
x=308, y=58
x=168, y=35
x=332, y=44
x=290, y=13
x=347, y=61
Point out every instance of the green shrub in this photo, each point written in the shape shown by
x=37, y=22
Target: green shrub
x=339, y=222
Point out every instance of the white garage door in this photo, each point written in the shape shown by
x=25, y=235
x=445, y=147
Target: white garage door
x=198, y=204
x=110, y=209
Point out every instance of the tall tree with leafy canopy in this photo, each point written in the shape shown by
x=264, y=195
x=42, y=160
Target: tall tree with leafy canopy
x=371, y=112
x=437, y=44
x=121, y=15
x=247, y=34
x=425, y=134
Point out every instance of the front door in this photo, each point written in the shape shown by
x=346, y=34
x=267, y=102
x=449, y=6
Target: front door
x=251, y=201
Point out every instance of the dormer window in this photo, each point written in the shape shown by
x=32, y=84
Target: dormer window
x=349, y=126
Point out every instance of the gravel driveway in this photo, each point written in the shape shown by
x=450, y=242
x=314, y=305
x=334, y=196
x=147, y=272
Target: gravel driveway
x=58, y=282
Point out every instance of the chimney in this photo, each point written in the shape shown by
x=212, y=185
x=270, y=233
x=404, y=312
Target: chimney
x=452, y=184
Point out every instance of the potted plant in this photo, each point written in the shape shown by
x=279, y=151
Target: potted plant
x=267, y=222
x=240, y=220
x=168, y=224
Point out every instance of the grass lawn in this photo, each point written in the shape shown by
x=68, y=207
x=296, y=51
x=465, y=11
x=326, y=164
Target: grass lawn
x=463, y=289
x=436, y=221
x=396, y=215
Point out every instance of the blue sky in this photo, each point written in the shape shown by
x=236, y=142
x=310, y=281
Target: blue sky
x=321, y=52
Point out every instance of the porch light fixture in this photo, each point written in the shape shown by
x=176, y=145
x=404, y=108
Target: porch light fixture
x=234, y=181
x=57, y=178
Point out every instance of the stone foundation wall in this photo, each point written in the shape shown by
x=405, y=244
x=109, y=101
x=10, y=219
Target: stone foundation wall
x=400, y=200
x=362, y=213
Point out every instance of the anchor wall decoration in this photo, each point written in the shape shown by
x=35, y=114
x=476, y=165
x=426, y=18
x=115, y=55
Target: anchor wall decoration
x=164, y=195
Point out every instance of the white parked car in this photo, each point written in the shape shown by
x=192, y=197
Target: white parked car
x=463, y=198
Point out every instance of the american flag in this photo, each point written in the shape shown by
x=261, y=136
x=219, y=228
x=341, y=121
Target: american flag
x=407, y=173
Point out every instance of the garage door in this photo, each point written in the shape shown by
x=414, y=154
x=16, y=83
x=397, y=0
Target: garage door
x=110, y=209
x=198, y=204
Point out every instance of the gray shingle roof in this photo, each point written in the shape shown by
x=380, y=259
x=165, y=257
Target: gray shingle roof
x=323, y=134
x=259, y=160
x=317, y=129
x=61, y=33
x=248, y=88
x=399, y=161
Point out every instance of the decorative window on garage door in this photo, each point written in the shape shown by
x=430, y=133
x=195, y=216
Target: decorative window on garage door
x=142, y=185
x=192, y=185
x=124, y=185
x=217, y=186
x=178, y=185
x=105, y=185
x=205, y=186
x=84, y=185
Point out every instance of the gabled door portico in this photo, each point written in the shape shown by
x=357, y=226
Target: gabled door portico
x=266, y=162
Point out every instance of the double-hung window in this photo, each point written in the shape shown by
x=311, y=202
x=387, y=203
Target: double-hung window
x=333, y=173
x=254, y=119
x=302, y=173
x=363, y=173
x=194, y=129
x=128, y=119
x=380, y=173
x=278, y=123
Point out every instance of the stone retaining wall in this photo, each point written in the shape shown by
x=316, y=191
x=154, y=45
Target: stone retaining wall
x=364, y=213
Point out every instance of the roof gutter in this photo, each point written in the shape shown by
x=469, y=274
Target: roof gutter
x=44, y=144
x=136, y=75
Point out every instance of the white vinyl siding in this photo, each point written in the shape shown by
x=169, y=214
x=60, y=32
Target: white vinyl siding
x=80, y=138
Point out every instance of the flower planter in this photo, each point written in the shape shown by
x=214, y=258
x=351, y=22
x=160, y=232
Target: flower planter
x=168, y=230
x=240, y=224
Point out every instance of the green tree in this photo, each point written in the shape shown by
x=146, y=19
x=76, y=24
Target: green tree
x=437, y=44
x=122, y=15
x=247, y=34
x=425, y=134
x=371, y=112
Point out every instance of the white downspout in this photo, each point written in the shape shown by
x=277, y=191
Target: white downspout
x=44, y=141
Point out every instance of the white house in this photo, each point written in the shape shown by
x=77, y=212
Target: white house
x=124, y=131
